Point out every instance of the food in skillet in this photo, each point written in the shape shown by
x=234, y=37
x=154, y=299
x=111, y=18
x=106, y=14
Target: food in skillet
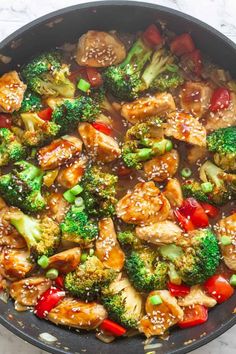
x=118, y=184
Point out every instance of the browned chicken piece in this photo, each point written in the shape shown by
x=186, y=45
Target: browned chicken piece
x=144, y=108
x=65, y=261
x=27, y=291
x=71, y=175
x=160, y=233
x=75, y=313
x=99, y=49
x=162, y=167
x=197, y=296
x=100, y=146
x=57, y=206
x=182, y=126
x=59, y=152
x=145, y=204
x=9, y=236
x=108, y=249
x=173, y=192
x=195, y=153
x=160, y=317
x=223, y=118
x=12, y=91
x=227, y=227
x=15, y=264
x=195, y=98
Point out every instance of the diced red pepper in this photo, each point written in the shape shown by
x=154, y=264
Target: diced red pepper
x=78, y=73
x=220, y=99
x=210, y=210
x=194, y=61
x=193, y=210
x=178, y=290
x=45, y=114
x=5, y=121
x=103, y=128
x=112, y=327
x=49, y=299
x=182, y=44
x=59, y=282
x=124, y=171
x=193, y=316
x=219, y=288
x=184, y=222
x=152, y=36
x=94, y=77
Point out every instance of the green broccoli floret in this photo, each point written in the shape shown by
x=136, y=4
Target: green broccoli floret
x=124, y=81
x=11, y=149
x=48, y=76
x=192, y=188
x=70, y=113
x=197, y=261
x=38, y=132
x=31, y=102
x=145, y=272
x=41, y=235
x=144, y=141
x=88, y=279
x=99, y=191
x=223, y=143
x=127, y=238
x=123, y=302
x=22, y=187
x=76, y=227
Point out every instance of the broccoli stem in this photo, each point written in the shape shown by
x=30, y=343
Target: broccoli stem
x=171, y=252
x=137, y=56
x=28, y=227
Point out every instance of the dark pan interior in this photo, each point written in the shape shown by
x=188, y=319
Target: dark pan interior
x=67, y=25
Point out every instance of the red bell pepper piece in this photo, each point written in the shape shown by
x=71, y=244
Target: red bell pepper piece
x=178, y=290
x=210, y=210
x=194, y=61
x=112, y=327
x=193, y=210
x=219, y=288
x=59, y=282
x=45, y=114
x=220, y=99
x=94, y=77
x=182, y=44
x=152, y=36
x=184, y=222
x=78, y=73
x=103, y=128
x=193, y=316
x=5, y=121
x=48, y=301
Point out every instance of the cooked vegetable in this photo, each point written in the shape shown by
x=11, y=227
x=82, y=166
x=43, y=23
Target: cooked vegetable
x=11, y=149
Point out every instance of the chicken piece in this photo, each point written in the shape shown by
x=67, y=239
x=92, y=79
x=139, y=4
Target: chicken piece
x=197, y=296
x=15, y=264
x=12, y=91
x=162, y=167
x=160, y=317
x=9, y=236
x=108, y=249
x=227, y=227
x=182, y=126
x=57, y=206
x=71, y=175
x=100, y=146
x=99, y=49
x=27, y=291
x=143, y=108
x=222, y=118
x=195, y=153
x=195, y=98
x=173, y=192
x=75, y=313
x=65, y=261
x=59, y=152
x=144, y=205
x=160, y=233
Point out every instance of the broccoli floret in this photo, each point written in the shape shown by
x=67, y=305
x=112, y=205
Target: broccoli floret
x=223, y=143
x=76, y=227
x=99, y=190
x=123, y=302
x=31, y=102
x=124, y=81
x=70, y=113
x=144, y=270
x=127, y=238
x=22, y=187
x=192, y=188
x=199, y=260
x=88, y=279
x=41, y=235
x=11, y=149
x=38, y=132
x=47, y=75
